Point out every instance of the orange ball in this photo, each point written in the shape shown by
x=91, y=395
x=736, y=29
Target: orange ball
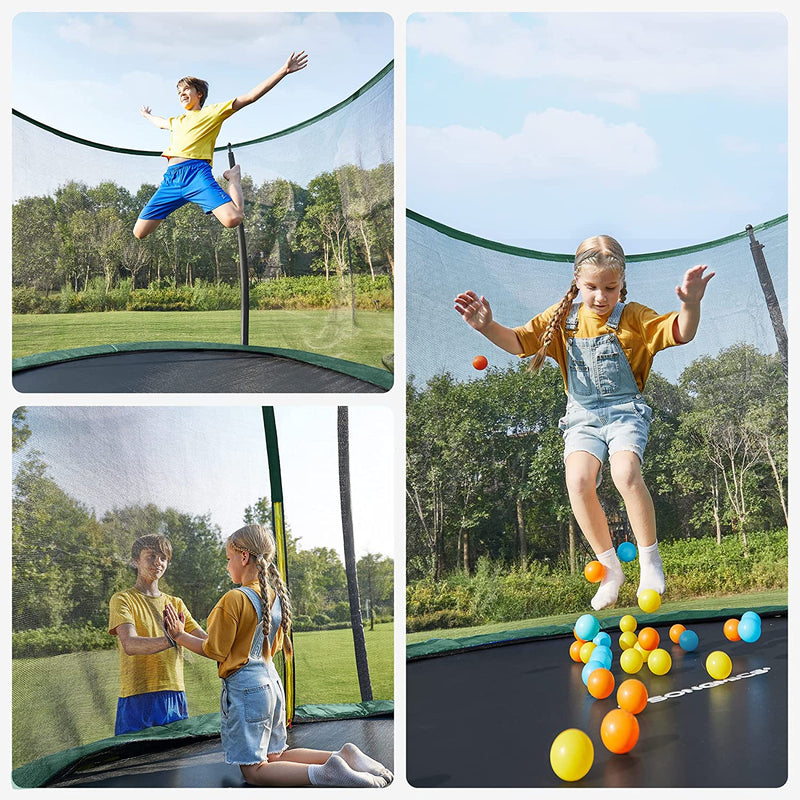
x=619, y=730
x=731, y=630
x=632, y=696
x=675, y=632
x=594, y=571
x=649, y=638
x=480, y=362
x=600, y=683
x=575, y=650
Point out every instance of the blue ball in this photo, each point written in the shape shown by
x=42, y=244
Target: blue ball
x=751, y=615
x=603, y=654
x=626, y=551
x=589, y=668
x=587, y=627
x=602, y=638
x=749, y=629
x=688, y=641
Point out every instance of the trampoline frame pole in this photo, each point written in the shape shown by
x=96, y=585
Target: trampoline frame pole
x=244, y=281
x=773, y=306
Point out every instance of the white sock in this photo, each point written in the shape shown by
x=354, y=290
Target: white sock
x=361, y=762
x=651, y=574
x=336, y=772
x=612, y=580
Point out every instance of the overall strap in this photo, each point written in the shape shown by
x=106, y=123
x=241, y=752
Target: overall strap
x=572, y=318
x=276, y=613
x=257, y=646
x=613, y=320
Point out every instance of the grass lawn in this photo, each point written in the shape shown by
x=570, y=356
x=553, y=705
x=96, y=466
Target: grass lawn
x=753, y=600
x=329, y=333
x=63, y=701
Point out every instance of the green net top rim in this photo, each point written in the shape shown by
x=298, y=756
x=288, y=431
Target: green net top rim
x=279, y=134
x=523, y=252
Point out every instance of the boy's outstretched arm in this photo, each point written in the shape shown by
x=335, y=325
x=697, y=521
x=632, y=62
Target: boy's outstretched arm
x=159, y=122
x=295, y=62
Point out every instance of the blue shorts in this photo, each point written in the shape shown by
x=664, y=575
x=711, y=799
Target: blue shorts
x=186, y=182
x=149, y=709
x=607, y=429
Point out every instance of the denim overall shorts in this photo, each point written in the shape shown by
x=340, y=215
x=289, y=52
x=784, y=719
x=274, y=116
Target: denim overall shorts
x=606, y=412
x=252, y=703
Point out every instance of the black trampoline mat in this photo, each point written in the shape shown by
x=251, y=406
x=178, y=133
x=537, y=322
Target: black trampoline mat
x=174, y=371
x=487, y=718
x=202, y=764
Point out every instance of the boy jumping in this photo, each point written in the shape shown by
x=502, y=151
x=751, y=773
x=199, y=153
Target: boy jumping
x=191, y=149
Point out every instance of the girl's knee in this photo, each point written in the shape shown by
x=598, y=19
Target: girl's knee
x=626, y=471
x=581, y=481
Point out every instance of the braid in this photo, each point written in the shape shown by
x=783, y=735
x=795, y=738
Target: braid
x=266, y=617
x=555, y=322
x=286, y=605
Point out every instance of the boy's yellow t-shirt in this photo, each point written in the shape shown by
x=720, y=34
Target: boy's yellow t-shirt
x=155, y=672
x=642, y=333
x=194, y=133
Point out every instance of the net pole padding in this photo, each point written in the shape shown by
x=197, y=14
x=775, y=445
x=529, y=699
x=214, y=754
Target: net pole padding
x=773, y=306
x=359, y=642
x=350, y=267
x=244, y=278
x=279, y=530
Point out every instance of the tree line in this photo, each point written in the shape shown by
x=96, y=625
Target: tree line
x=340, y=224
x=67, y=562
x=485, y=472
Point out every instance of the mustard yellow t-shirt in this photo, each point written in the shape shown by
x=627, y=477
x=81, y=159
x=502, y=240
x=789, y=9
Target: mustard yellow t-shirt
x=156, y=672
x=194, y=133
x=231, y=627
x=641, y=332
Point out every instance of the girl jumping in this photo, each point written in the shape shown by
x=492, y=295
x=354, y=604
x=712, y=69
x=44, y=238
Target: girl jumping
x=246, y=628
x=605, y=350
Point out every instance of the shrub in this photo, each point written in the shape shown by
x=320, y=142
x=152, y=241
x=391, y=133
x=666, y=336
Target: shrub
x=41, y=642
x=158, y=297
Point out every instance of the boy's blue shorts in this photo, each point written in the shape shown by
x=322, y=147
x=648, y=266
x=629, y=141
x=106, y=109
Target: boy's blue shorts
x=151, y=708
x=186, y=182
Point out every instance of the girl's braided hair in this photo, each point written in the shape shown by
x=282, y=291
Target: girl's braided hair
x=596, y=251
x=258, y=542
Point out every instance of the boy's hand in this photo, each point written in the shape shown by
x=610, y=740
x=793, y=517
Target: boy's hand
x=173, y=621
x=693, y=288
x=145, y=111
x=295, y=62
x=474, y=310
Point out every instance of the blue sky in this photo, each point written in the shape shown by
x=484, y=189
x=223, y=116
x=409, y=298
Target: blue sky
x=209, y=459
x=99, y=68
x=538, y=130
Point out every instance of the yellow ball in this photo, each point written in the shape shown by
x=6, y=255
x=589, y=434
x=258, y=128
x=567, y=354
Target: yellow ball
x=659, y=661
x=631, y=660
x=571, y=754
x=586, y=651
x=627, y=640
x=649, y=601
x=627, y=623
x=718, y=665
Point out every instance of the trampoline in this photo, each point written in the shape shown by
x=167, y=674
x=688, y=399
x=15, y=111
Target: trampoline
x=193, y=367
x=486, y=716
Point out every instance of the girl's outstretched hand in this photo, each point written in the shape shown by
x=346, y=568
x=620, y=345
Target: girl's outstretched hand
x=693, y=288
x=474, y=310
x=296, y=61
x=173, y=621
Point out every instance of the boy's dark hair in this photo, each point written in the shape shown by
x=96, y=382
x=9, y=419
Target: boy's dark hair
x=198, y=84
x=156, y=542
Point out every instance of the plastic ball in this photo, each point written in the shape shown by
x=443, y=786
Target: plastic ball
x=600, y=683
x=649, y=601
x=628, y=640
x=575, y=650
x=749, y=630
x=659, y=661
x=480, y=362
x=751, y=615
x=594, y=571
x=632, y=696
x=627, y=623
x=603, y=654
x=675, y=632
x=718, y=665
x=731, y=630
x=642, y=652
x=587, y=627
x=631, y=661
x=571, y=754
x=619, y=730
x=626, y=551
x=586, y=651
x=649, y=638
x=588, y=669
x=603, y=639
x=688, y=641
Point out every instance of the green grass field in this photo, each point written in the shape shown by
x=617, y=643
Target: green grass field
x=329, y=333
x=68, y=700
